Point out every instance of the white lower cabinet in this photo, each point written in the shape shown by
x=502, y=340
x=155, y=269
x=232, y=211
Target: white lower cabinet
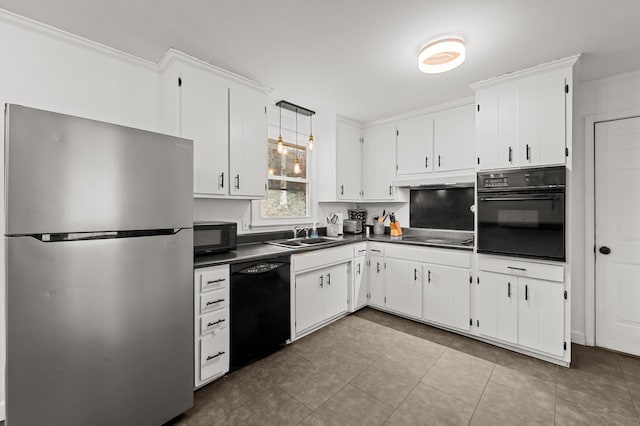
x=520, y=305
x=403, y=287
x=375, y=273
x=541, y=315
x=309, y=299
x=211, y=323
x=360, y=283
x=498, y=306
x=321, y=282
x=522, y=309
x=320, y=295
x=446, y=295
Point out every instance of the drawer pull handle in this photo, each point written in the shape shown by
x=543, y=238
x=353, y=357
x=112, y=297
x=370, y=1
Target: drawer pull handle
x=328, y=279
x=415, y=274
x=509, y=290
x=526, y=292
x=210, y=357
x=358, y=269
x=516, y=269
x=219, y=280
x=429, y=277
x=211, y=324
x=375, y=250
x=321, y=281
x=214, y=302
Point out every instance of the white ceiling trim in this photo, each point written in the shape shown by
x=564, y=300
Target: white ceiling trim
x=547, y=66
x=48, y=30
x=469, y=100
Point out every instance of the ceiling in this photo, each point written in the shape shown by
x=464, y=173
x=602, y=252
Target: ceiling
x=358, y=57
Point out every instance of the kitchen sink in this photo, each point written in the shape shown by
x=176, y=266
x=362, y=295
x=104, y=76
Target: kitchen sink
x=302, y=242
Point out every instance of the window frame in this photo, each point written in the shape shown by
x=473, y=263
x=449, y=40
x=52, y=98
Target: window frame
x=258, y=221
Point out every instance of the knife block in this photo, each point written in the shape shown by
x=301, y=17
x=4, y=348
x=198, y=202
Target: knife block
x=396, y=230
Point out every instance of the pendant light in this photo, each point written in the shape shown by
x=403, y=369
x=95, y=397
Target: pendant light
x=280, y=144
x=296, y=162
x=310, y=132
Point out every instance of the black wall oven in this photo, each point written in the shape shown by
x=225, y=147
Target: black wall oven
x=522, y=213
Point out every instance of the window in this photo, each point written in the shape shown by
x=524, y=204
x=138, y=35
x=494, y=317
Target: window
x=287, y=194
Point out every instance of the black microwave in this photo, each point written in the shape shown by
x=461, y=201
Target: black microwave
x=214, y=237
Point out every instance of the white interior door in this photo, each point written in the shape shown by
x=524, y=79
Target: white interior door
x=617, y=145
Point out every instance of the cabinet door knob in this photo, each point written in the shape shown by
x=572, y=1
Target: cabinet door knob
x=604, y=250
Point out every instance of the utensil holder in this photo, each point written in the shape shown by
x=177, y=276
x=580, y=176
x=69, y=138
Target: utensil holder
x=378, y=228
x=332, y=230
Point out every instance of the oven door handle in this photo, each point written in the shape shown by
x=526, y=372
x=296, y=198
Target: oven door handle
x=519, y=198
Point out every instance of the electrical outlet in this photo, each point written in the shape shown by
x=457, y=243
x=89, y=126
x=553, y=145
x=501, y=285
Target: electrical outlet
x=245, y=225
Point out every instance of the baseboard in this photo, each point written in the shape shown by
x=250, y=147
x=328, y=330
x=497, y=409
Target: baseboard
x=578, y=337
x=2, y=414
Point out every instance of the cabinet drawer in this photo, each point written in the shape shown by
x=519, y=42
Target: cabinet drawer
x=376, y=249
x=360, y=249
x=213, y=301
x=543, y=271
x=214, y=355
x=214, y=322
x=214, y=279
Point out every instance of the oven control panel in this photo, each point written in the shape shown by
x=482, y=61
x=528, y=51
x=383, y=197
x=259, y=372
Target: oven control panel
x=494, y=182
x=539, y=178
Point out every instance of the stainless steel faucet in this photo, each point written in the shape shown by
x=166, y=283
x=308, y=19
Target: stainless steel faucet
x=297, y=229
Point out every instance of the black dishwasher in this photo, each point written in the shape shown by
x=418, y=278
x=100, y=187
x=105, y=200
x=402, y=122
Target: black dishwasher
x=260, y=309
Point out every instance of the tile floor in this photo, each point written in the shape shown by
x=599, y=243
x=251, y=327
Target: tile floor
x=373, y=368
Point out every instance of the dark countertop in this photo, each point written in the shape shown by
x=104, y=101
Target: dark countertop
x=260, y=250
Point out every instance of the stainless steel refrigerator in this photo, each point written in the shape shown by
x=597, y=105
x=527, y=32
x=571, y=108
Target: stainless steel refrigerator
x=99, y=270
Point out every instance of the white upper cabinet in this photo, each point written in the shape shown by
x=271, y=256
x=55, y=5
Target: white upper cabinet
x=379, y=163
x=225, y=117
x=415, y=146
x=454, y=131
x=349, y=162
x=487, y=128
x=524, y=118
x=248, y=142
x=205, y=120
x=437, y=142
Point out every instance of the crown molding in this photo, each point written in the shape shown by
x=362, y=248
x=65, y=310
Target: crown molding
x=514, y=75
x=31, y=24
x=174, y=55
x=470, y=100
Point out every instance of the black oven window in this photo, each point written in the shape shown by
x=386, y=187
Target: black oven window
x=518, y=218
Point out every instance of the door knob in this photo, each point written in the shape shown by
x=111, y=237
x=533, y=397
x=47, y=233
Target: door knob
x=605, y=250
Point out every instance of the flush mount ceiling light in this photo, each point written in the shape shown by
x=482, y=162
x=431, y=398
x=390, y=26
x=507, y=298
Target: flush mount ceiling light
x=441, y=54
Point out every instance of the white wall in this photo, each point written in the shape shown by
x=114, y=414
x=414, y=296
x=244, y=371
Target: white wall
x=619, y=93
x=47, y=69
